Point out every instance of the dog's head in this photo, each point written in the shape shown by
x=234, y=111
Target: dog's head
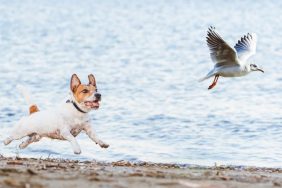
x=85, y=95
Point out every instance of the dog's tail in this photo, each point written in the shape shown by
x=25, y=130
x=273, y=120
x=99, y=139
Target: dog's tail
x=32, y=106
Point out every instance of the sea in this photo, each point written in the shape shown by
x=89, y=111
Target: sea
x=147, y=57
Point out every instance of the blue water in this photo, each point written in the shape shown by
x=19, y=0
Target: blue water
x=147, y=57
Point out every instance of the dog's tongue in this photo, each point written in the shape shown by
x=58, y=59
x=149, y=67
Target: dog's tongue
x=92, y=104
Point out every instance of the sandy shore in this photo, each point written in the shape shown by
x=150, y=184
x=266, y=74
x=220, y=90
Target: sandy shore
x=30, y=173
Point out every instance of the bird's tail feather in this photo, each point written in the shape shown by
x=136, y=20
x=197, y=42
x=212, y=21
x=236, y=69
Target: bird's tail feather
x=204, y=78
x=210, y=74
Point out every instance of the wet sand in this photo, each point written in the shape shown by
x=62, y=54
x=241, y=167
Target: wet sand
x=43, y=173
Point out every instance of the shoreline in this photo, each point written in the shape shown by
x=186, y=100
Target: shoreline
x=43, y=173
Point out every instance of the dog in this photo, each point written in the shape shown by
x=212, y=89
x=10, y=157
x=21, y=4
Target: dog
x=63, y=122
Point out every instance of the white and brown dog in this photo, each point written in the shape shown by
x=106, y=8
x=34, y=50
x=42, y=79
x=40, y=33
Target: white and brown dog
x=64, y=122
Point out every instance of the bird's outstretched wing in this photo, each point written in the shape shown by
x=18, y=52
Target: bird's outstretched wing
x=246, y=47
x=221, y=53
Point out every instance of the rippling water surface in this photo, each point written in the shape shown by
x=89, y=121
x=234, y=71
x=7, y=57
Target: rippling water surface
x=147, y=57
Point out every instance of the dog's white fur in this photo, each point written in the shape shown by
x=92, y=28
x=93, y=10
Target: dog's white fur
x=64, y=122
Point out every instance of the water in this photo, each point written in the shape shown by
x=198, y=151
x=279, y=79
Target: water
x=147, y=57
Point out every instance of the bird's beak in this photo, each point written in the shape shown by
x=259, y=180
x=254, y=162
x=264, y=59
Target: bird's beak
x=260, y=70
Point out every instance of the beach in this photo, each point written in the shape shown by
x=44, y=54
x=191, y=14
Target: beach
x=43, y=173
x=147, y=58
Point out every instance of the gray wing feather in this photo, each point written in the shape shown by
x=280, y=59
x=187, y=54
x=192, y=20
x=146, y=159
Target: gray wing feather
x=221, y=53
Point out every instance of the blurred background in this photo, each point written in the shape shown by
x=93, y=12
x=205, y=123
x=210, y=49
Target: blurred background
x=147, y=57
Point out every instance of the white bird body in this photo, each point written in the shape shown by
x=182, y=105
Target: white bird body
x=230, y=62
x=229, y=71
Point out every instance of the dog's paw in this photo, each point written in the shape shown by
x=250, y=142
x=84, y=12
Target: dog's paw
x=22, y=145
x=77, y=152
x=7, y=141
x=103, y=145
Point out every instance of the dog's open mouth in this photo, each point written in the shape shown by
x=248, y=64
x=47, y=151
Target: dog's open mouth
x=92, y=104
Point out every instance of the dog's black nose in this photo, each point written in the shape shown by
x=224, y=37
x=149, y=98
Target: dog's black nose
x=98, y=95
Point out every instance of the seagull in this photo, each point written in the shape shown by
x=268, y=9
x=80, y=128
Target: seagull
x=230, y=62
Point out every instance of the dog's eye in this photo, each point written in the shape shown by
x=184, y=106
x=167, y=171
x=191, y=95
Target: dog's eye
x=85, y=91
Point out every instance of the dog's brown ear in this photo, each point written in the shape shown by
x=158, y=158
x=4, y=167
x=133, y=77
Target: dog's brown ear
x=75, y=82
x=92, y=80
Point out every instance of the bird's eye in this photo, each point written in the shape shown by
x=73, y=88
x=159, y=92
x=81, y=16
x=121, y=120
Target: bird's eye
x=85, y=91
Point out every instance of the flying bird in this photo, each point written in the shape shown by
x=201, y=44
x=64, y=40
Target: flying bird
x=229, y=62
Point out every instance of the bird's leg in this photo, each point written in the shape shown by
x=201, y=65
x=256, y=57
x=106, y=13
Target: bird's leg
x=214, y=81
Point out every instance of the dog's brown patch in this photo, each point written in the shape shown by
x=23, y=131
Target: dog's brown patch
x=33, y=109
x=82, y=91
x=80, y=94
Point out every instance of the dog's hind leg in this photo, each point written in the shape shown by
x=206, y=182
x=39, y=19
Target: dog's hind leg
x=32, y=138
x=18, y=133
x=15, y=136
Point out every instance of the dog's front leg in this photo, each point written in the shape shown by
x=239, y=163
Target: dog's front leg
x=69, y=137
x=87, y=128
